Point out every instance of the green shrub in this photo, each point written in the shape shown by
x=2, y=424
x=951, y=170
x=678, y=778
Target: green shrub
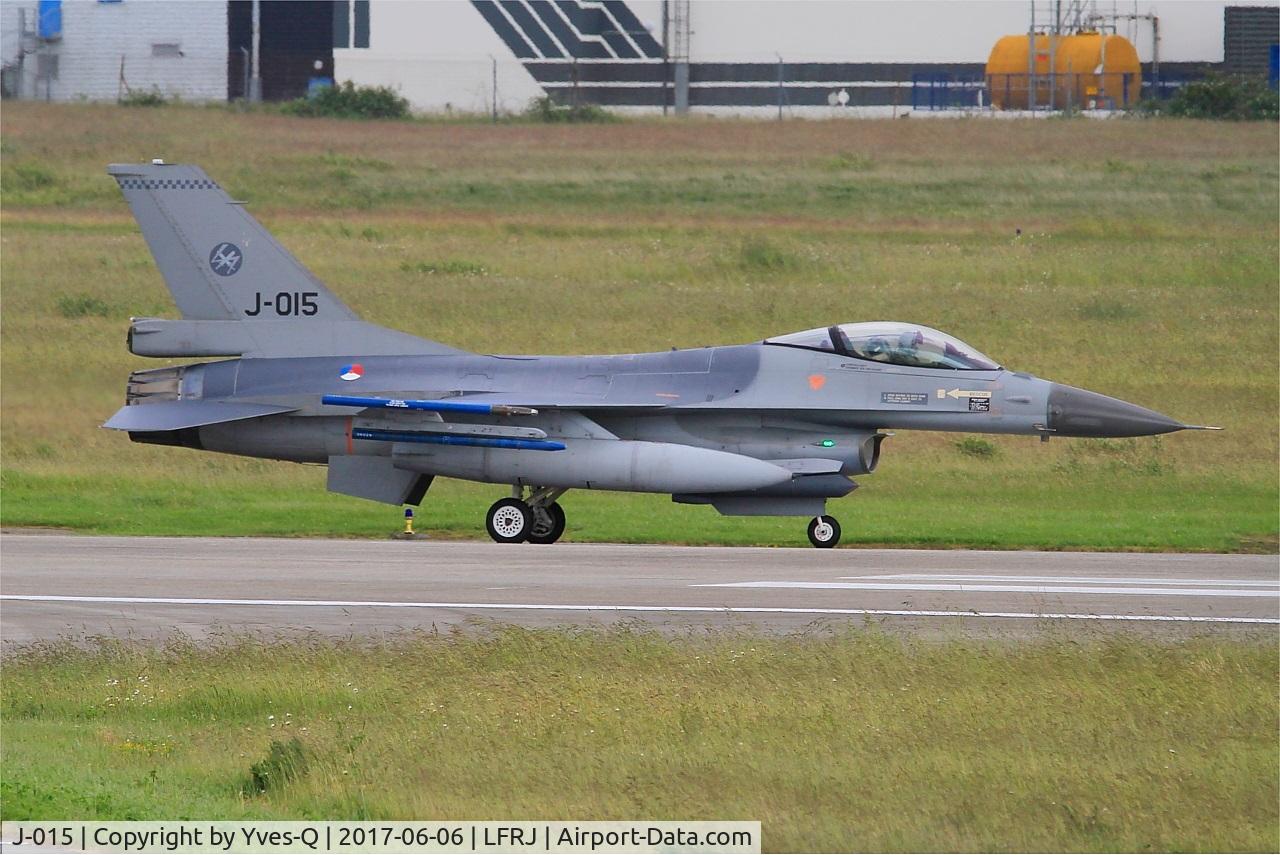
x=1117, y=456
x=284, y=762
x=140, y=98
x=1221, y=97
x=352, y=162
x=1101, y=309
x=28, y=176
x=544, y=109
x=348, y=101
x=972, y=446
x=761, y=255
x=82, y=306
x=452, y=267
x=853, y=161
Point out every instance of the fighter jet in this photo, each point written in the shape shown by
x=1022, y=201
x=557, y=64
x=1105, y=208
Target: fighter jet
x=771, y=428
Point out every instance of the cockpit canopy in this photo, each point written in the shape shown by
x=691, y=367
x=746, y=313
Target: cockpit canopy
x=897, y=344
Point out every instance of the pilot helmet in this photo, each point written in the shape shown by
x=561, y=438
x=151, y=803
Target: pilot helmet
x=875, y=347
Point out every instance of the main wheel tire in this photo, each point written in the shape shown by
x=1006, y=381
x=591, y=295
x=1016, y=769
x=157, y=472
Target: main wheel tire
x=550, y=529
x=824, y=532
x=509, y=521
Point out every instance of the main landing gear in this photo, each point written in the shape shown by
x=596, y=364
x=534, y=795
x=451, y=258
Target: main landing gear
x=824, y=532
x=535, y=519
x=538, y=518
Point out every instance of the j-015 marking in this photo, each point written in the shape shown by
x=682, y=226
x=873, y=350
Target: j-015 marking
x=286, y=304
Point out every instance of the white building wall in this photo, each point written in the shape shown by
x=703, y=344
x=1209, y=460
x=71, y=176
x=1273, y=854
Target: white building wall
x=10, y=16
x=96, y=37
x=924, y=30
x=441, y=55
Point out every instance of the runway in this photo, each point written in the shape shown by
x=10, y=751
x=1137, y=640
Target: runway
x=64, y=585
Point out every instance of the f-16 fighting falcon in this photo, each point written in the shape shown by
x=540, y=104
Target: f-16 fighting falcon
x=773, y=428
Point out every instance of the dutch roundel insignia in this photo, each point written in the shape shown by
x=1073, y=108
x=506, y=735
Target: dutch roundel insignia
x=352, y=372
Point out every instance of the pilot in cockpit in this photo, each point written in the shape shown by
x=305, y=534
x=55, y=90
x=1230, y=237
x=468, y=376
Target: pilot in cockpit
x=877, y=349
x=893, y=343
x=908, y=341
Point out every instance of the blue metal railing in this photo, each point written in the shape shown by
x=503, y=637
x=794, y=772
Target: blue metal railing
x=944, y=91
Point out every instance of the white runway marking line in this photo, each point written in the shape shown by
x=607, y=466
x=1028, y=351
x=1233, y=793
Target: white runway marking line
x=969, y=588
x=1106, y=580
x=209, y=601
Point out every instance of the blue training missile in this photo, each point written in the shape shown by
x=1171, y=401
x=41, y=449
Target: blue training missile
x=451, y=439
x=430, y=406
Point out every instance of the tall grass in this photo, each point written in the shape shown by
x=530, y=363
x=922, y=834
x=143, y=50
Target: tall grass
x=1134, y=258
x=845, y=742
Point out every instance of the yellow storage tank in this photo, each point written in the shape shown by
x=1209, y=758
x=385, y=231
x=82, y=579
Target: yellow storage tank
x=1090, y=70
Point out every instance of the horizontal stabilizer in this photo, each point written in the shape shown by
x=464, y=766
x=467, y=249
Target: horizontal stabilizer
x=176, y=415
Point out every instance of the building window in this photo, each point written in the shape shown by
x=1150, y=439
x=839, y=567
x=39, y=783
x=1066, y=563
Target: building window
x=166, y=50
x=351, y=24
x=361, y=28
x=342, y=24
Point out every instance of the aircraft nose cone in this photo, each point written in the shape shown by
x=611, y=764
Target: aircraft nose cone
x=1078, y=412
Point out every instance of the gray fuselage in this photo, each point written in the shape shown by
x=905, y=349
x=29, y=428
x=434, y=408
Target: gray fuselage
x=761, y=400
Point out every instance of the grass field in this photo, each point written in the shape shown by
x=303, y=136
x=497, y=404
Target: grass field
x=1146, y=268
x=851, y=742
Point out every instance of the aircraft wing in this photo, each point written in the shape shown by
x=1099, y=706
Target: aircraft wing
x=176, y=415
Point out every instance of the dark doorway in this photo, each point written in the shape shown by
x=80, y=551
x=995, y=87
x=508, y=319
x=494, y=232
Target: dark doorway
x=295, y=35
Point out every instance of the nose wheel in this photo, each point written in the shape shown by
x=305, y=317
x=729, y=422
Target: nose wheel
x=537, y=519
x=824, y=532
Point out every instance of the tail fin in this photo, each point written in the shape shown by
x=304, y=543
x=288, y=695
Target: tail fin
x=239, y=290
x=219, y=262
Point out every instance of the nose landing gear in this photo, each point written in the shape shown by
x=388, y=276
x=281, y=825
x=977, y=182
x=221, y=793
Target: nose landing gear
x=536, y=519
x=824, y=532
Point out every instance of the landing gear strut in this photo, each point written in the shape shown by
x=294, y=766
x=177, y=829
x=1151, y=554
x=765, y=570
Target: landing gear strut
x=824, y=532
x=537, y=518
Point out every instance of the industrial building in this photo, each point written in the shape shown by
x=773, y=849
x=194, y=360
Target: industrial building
x=799, y=57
